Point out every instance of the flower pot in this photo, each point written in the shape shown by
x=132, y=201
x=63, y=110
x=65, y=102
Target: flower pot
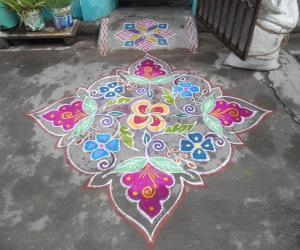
x=33, y=20
x=62, y=18
x=8, y=18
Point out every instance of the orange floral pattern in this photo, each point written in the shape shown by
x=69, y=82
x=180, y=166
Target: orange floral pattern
x=147, y=115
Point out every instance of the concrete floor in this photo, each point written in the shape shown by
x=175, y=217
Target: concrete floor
x=254, y=204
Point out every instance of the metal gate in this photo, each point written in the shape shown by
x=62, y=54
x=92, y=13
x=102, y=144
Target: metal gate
x=232, y=21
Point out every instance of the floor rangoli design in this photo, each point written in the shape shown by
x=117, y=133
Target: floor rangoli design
x=146, y=133
x=145, y=34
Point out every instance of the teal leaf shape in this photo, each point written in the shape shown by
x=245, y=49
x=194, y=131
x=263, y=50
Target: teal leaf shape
x=182, y=115
x=131, y=165
x=150, y=94
x=162, y=79
x=116, y=114
x=167, y=165
x=89, y=105
x=208, y=104
x=136, y=79
x=120, y=100
x=168, y=96
x=213, y=123
x=146, y=138
x=82, y=126
x=180, y=128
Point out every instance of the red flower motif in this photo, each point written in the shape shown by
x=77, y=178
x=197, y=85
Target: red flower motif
x=147, y=115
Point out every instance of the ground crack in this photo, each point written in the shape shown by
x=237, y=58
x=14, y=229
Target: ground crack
x=289, y=111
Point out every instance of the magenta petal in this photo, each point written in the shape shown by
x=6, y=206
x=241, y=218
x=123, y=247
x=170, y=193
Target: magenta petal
x=52, y=116
x=148, y=187
x=230, y=112
x=149, y=69
x=67, y=115
x=151, y=207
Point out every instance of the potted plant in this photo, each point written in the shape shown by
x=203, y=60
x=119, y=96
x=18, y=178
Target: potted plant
x=62, y=13
x=8, y=18
x=29, y=12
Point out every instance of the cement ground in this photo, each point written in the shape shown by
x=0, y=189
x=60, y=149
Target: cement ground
x=253, y=204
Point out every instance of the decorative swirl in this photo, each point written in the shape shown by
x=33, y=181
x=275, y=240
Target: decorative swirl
x=141, y=90
x=105, y=164
x=107, y=121
x=217, y=139
x=67, y=115
x=158, y=145
x=147, y=71
x=179, y=79
x=231, y=111
x=94, y=93
x=189, y=108
x=149, y=192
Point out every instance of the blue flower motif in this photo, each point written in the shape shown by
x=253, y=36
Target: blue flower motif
x=111, y=90
x=102, y=146
x=186, y=89
x=197, y=146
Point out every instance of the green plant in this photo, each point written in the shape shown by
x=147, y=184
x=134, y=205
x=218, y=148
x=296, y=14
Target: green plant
x=22, y=6
x=57, y=4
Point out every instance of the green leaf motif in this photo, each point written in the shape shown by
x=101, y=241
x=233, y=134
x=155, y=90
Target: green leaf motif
x=136, y=79
x=167, y=165
x=208, y=104
x=126, y=136
x=180, y=128
x=162, y=79
x=168, y=96
x=120, y=100
x=89, y=106
x=213, y=123
x=131, y=165
x=82, y=126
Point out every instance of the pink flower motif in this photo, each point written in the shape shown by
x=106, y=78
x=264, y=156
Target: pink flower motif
x=66, y=116
x=149, y=69
x=148, y=187
x=230, y=112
